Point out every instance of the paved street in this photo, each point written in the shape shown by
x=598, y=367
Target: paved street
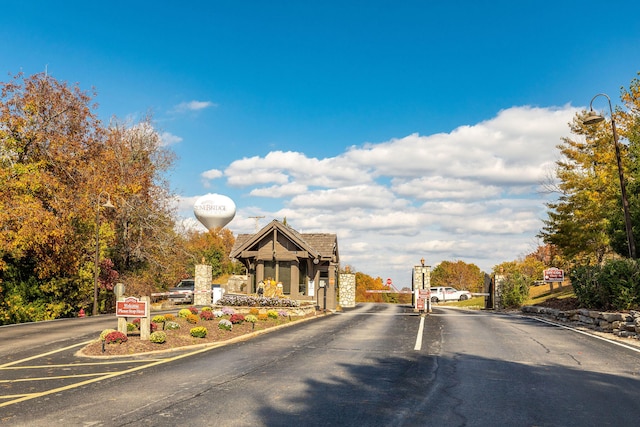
x=376, y=365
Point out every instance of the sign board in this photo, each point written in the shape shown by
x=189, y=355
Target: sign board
x=553, y=275
x=424, y=293
x=131, y=307
x=422, y=300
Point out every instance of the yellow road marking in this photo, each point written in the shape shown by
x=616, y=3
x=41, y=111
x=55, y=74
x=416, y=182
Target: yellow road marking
x=26, y=397
x=15, y=362
x=59, y=377
x=115, y=362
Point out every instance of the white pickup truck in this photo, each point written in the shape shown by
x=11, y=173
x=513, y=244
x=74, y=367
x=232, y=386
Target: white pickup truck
x=182, y=292
x=448, y=294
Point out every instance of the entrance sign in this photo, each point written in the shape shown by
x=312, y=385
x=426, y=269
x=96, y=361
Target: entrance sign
x=553, y=275
x=423, y=300
x=131, y=307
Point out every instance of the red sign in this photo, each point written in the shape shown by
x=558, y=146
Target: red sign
x=423, y=297
x=131, y=307
x=389, y=282
x=424, y=293
x=553, y=275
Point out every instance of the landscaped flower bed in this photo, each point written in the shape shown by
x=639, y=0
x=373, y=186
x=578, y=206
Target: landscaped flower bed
x=177, y=337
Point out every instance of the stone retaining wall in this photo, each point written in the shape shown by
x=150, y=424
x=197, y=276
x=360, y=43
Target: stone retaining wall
x=625, y=324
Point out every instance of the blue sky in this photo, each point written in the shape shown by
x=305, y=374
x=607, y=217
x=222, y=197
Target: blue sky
x=410, y=128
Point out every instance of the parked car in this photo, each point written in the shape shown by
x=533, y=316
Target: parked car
x=182, y=293
x=448, y=294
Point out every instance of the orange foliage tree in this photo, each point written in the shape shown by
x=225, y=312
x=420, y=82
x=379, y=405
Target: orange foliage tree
x=58, y=163
x=459, y=275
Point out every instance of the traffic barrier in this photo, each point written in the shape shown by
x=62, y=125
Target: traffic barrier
x=159, y=294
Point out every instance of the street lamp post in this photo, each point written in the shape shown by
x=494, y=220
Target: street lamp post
x=592, y=118
x=96, y=268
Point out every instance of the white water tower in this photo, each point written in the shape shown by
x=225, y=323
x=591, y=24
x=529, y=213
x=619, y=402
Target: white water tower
x=214, y=210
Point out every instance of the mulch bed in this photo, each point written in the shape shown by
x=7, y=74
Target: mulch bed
x=180, y=338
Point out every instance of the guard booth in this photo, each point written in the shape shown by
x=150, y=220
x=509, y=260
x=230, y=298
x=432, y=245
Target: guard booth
x=300, y=266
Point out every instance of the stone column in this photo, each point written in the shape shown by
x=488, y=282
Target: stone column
x=347, y=293
x=202, y=288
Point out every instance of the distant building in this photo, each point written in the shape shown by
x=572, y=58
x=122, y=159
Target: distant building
x=305, y=264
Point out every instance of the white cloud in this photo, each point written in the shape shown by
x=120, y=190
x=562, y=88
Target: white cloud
x=184, y=107
x=470, y=194
x=167, y=138
x=279, y=191
x=208, y=176
x=211, y=174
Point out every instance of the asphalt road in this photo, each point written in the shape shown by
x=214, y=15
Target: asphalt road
x=376, y=365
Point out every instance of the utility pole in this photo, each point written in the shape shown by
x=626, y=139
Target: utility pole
x=257, y=218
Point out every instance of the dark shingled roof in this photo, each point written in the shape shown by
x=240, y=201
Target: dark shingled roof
x=322, y=243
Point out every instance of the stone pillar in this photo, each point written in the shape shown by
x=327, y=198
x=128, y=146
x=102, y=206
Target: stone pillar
x=202, y=288
x=421, y=280
x=347, y=293
x=145, y=321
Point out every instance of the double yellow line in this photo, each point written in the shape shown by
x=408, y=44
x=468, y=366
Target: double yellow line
x=97, y=376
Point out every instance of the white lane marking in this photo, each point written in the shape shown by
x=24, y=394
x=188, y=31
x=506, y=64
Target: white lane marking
x=636, y=349
x=418, y=345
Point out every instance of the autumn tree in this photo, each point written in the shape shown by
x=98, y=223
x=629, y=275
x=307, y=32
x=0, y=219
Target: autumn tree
x=628, y=121
x=588, y=191
x=364, y=282
x=213, y=248
x=459, y=275
x=48, y=136
x=58, y=164
x=147, y=249
x=586, y=222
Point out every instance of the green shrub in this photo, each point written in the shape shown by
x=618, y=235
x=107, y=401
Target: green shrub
x=198, y=332
x=272, y=314
x=104, y=333
x=584, y=280
x=172, y=325
x=514, y=290
x=250, y=318
x=131, y=327
x=615, y=285
x=158, y=337
x=184, y=312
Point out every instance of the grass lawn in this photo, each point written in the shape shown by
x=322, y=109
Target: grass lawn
x=537, y=294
